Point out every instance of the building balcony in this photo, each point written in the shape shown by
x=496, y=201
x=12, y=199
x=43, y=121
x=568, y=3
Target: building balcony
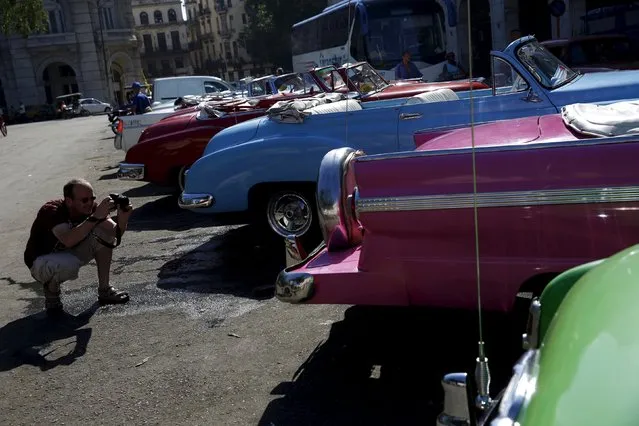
x=195, y=45
x=154, y=25
x=154, y=53
x=190, y=2
x=226, y=33
x=204, y=11
x=120, y=36
x=207, y=37
x=46, y=40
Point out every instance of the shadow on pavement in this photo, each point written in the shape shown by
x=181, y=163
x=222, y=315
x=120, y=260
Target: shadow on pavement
x=241, y=261
x=164, y=213
x=384, y=365
x=150, y=190
x=45, y=342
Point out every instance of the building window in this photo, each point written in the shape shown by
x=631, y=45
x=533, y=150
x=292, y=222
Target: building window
x=157, y=17
x=172, y=16
x=179, y=63
x=144, y=18
x=190, y=16
x=166, y=66
x=227, y=50
x=235, y=50
x=55, y=17
x=106, y=17
x=229, y=3
x=231, y=22
x=244, y=19
x=148, y=43
x=162, y=42
x=175, y=40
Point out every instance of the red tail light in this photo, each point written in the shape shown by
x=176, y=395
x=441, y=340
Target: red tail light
x=120, y=126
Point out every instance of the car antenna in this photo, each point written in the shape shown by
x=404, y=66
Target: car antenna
x=482, y=371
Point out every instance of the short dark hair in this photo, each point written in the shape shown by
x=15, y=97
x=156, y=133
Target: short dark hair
x=405, y=52
x=68, y=188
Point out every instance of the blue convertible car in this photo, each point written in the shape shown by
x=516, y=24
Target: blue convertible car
x=269, y=167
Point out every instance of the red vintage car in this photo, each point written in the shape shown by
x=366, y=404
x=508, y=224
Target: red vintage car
x=552, y=193
x=167, y=149
x=363, y=79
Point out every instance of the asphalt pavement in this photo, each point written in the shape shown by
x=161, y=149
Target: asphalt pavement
x=202, y=340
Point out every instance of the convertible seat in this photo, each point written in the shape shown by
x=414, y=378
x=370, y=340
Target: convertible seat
x=439, y=95
x=294, y=111
x=341, y=106
x=615, y=119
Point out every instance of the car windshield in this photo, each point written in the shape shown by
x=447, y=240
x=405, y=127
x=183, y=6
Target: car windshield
x=547, y=69
x=296, y=83
x=366, y=78
x=331, y=78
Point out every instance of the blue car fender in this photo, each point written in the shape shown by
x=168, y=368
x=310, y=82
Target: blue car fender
x=230, y=174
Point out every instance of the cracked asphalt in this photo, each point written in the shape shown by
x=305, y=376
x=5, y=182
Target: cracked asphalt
x=202, y=340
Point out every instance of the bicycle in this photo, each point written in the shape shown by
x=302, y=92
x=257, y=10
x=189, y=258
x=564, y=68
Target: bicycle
x=3, y=127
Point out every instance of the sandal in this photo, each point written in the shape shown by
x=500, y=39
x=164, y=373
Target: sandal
x=112, y=296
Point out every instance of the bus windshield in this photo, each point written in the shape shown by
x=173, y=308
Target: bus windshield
x=405, y=25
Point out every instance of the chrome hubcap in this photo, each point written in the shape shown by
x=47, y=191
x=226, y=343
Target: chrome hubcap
x=289, y=214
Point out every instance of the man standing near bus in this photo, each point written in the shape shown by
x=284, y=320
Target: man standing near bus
x=406, y=69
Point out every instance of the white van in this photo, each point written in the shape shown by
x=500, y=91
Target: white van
x=166, y=90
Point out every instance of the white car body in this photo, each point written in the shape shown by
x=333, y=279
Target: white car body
x=134, y=125
x=94, y=106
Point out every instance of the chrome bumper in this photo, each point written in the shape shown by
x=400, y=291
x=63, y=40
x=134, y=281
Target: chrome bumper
x=131, y=171
x=291, y=286
x=195, y=201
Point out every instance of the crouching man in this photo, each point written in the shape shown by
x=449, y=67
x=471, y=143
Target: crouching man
x=67, y=234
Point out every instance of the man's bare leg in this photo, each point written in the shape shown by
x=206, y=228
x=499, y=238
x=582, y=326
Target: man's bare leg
x=103, y=258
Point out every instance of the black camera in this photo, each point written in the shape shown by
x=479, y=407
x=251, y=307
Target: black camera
x=121, y=201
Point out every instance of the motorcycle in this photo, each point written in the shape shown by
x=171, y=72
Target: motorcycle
x=114, y=117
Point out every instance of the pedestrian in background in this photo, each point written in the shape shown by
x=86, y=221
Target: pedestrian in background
x=406, y=69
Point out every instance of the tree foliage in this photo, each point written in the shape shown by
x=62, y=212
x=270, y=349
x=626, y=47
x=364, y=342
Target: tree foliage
x=267, y=36
x=22, y=17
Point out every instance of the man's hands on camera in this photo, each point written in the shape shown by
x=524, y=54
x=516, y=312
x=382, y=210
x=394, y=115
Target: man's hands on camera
x=104, y=208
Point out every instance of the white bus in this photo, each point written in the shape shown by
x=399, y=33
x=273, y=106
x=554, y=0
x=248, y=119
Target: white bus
x=375, y=31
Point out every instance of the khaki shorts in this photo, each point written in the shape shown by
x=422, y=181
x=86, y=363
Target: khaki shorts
x=55, y=268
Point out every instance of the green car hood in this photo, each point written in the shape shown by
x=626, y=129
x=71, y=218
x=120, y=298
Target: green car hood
x=588, y=372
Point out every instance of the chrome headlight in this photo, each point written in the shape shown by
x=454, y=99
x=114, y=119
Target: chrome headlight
x=335, y=197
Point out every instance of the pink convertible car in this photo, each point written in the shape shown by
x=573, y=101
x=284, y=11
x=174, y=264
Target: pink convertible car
x=553, y=192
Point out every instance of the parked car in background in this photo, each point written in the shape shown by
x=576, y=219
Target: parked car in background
x=264, y=92
x=279, y=160
x=167, y=89
x=94, y=106
x=398, y=228
x=579, y=347
x=594, y=53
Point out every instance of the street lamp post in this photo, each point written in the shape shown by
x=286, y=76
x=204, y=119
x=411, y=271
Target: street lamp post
x=104, y=58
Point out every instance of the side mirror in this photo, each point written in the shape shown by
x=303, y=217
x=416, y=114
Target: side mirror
x=457, y=405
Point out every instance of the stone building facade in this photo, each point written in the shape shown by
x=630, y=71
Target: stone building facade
x=216, y=47
x=90, y=47
x=163, y=33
